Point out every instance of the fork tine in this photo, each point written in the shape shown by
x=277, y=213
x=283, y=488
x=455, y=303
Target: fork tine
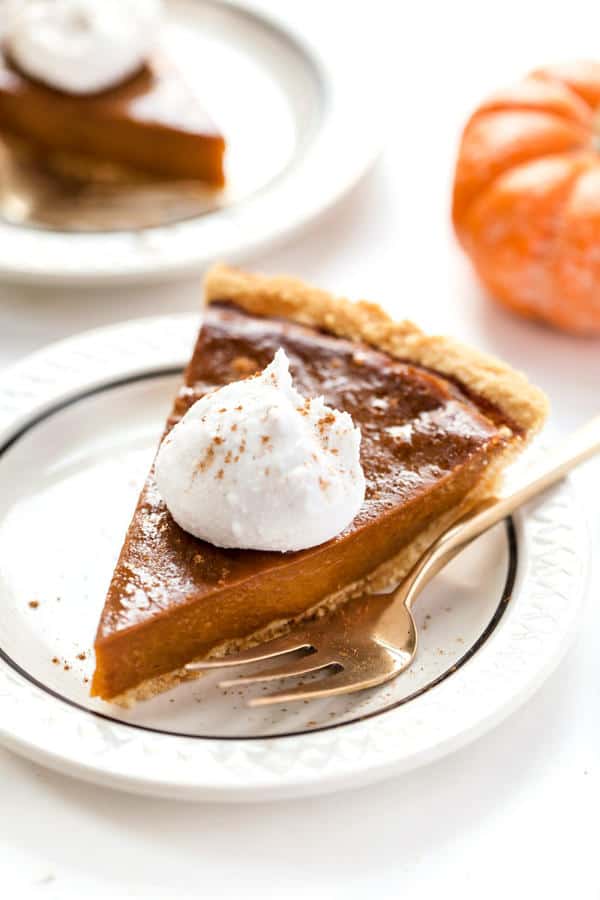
x=303, y=666
x=269, y=650
x=342, y=682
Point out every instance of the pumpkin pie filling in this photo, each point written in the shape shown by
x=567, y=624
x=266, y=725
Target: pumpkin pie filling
x=430, y=445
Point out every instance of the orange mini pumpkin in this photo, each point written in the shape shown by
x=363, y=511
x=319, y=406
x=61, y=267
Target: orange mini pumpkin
x=526, y=203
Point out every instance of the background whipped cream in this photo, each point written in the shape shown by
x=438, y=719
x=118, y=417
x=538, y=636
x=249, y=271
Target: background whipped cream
x=80, y=46
x=255, y=465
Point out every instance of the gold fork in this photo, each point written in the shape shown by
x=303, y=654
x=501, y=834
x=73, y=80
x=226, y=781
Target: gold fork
x=373, y=638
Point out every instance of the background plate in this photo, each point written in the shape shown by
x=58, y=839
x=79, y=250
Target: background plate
x=79, y=424
x=290, y=113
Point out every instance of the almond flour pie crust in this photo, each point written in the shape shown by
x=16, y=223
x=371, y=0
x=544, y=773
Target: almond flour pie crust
x=439, y=423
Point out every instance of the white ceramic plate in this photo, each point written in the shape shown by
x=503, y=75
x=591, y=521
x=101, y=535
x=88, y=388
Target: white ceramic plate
x=301, y=125
x=78, y=426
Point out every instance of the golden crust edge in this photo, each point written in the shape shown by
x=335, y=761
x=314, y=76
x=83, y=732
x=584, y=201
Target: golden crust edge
x=386, y=575
x=507, y=389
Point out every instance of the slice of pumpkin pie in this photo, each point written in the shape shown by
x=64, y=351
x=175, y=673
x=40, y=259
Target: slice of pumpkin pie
x=438, y=423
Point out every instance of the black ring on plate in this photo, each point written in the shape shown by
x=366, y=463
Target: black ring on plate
x=484, y=636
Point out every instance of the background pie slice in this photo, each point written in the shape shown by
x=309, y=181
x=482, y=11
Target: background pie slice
x=153, y=122
x=439, y=422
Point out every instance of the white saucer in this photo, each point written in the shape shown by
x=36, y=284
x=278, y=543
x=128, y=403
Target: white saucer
x=302, y=127
x=78, y=425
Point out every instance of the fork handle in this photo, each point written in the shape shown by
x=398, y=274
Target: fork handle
x=569, y=453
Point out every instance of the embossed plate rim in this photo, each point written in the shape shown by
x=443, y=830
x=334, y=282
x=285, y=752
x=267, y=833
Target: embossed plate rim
x=525, y=648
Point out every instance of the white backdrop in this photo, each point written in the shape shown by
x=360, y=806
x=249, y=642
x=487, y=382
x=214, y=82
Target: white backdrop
x=518, y=810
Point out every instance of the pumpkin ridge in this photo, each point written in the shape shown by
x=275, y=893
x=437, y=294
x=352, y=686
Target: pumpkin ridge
x=527, y=251
x=581, y=78
x=538, y=94
x=467, y=189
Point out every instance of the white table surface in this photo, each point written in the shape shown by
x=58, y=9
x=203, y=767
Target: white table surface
x=517, y=811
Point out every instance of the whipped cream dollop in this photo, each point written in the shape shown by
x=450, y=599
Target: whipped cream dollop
x=80, y=46
x=256, y=466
